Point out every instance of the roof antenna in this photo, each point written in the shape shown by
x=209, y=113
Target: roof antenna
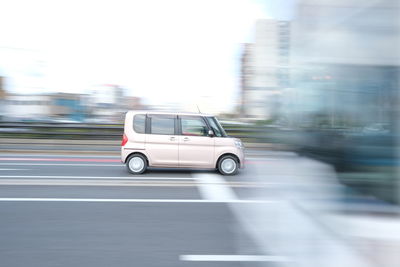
x=198, y=108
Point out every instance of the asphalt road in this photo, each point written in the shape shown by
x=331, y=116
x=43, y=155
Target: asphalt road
x=88, y=211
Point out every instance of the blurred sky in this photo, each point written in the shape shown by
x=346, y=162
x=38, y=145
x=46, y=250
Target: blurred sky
x=163, y=51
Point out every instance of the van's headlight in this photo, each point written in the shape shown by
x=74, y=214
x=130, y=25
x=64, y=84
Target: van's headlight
x=238, y=144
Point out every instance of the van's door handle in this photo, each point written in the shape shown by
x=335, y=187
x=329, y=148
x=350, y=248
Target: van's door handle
x=172, y=138
x=186, y=139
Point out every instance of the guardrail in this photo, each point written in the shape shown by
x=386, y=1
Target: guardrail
x=58, y=130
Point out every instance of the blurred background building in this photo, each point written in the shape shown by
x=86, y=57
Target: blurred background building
x=345, y=59
x=68, y=107
x=27, y=106
x=265, y=70
x=107, y=103
x=345, y=96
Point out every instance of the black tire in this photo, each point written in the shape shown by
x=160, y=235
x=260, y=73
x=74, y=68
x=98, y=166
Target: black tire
x=130, y=167
x=230, y=158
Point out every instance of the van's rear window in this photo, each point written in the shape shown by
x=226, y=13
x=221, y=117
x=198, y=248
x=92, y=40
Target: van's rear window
x=139, y=122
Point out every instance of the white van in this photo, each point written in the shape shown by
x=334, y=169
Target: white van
x=183, y=140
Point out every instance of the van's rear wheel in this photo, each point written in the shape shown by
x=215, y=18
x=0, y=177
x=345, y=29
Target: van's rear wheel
x=228, y=165
x=136, y=164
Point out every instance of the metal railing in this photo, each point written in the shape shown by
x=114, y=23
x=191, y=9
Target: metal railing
x=59, y=130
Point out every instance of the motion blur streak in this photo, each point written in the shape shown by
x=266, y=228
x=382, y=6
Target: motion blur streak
x=311, y=87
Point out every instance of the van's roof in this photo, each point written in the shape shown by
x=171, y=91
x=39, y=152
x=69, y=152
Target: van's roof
x=168, y=113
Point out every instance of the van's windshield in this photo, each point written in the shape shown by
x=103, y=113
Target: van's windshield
x=216, y=127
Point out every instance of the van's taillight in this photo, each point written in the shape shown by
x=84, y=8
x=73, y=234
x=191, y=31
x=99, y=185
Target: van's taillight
x=124, y=140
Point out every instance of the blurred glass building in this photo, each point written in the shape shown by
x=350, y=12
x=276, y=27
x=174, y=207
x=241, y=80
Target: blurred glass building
x=345, y=61
x=345, y=92
x=265, y=71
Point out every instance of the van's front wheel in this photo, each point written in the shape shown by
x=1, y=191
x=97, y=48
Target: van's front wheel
x=228, y=165
x=136, y=164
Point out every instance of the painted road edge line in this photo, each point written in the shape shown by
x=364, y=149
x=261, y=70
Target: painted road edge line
x=61, y=164
x=269, y=258
x=2, y=169
x=98, y=160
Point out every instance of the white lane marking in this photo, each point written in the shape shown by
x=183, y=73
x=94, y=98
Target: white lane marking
x=233, y=258
x=213, y=187
x=113, y=182
x=63, y=164
x=124, y=200
x=2, y=169
x=263, y=159
x=34, y=182
x=95, y=177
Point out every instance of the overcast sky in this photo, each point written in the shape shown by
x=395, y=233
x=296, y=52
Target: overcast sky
x=163, y=51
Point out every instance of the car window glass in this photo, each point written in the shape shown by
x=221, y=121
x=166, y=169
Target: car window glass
x=139, y=123
x=194, y=127
x=162, y=125
x=214, y=127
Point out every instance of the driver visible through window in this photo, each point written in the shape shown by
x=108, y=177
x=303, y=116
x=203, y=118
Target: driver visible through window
x=194, y=126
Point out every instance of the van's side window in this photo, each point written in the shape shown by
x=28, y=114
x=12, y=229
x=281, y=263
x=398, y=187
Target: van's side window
x=162, y=125
x=139, y=122
x=194, y=126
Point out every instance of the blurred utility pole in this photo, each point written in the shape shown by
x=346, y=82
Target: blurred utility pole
x=2, y=90
x=2, y=97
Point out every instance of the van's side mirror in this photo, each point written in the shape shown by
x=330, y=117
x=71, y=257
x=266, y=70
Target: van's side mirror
x=210, y=133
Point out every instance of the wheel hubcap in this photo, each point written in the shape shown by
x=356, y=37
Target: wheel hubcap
x=228, y=165
x=136, y=164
